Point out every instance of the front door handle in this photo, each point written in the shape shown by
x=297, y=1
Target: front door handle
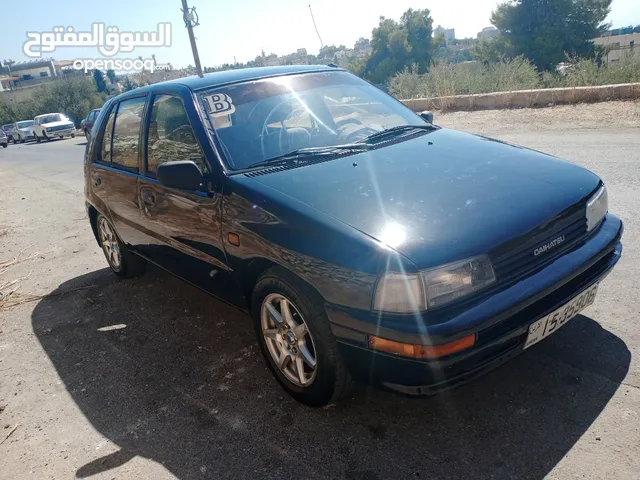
x=148, y=199
x=97, y=181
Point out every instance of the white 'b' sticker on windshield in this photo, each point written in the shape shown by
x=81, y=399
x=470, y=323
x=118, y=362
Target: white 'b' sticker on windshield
x=219, y=104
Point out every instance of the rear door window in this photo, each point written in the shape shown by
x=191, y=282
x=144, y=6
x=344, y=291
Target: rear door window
x=171, y=136
x=126, y=134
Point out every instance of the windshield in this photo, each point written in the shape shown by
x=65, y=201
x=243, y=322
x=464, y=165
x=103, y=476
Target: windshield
x=56, y=117
x=25, y=124
x=7, y=126
x=260, y=120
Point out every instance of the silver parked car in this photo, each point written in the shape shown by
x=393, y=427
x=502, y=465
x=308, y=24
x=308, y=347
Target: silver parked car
x=22, y=131
x=7, y=130
x=3, y=139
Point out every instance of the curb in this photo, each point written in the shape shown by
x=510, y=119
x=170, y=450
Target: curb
x=527, y=98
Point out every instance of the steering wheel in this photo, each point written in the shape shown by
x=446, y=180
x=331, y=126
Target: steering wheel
x=344, y=121
x=264, y=132
x=283, y=131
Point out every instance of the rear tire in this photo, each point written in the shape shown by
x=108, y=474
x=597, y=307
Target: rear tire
x=121, y=260
x=312, y=339
x=5, y=145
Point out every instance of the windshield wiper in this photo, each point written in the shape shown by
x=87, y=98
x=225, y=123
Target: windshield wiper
x=310, y=152
x=397, y=129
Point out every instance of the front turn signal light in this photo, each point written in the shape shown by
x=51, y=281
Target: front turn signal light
x=421, y=351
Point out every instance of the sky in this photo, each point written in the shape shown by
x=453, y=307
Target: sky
x=243, y=28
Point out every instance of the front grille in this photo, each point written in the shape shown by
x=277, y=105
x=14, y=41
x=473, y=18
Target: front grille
x=518, y=259
x=523, y=318
x=58, y=128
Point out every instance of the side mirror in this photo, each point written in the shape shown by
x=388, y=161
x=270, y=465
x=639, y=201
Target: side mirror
x=183, y=174
x=427, y=115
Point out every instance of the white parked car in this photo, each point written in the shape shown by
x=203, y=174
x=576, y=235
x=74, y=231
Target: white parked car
x=52, y=125
x=22, y=131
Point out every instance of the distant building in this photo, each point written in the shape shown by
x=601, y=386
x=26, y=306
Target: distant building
x=488, y=32
x=35, y=73
x=6, y=82
x=35, y=69
x=449, y=34
x=619, y=46
x=362, y=47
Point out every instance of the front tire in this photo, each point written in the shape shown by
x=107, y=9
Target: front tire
x=37, y=138
x=123, y=263
x=296, y=341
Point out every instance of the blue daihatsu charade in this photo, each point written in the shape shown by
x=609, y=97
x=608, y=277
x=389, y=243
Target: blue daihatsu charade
x=362, y=239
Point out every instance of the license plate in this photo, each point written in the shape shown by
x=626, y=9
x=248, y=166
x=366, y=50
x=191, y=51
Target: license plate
x=550, y=323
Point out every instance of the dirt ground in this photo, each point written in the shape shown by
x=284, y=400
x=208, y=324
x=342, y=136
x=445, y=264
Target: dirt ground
x=150, y=378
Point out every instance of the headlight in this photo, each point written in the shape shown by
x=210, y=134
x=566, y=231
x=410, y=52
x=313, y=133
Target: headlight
x=406, y=293
x=597, y=208
x=399, y=293
x=48, y=129
x=454, y=280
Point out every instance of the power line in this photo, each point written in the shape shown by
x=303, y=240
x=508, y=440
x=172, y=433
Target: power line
x=316, y=27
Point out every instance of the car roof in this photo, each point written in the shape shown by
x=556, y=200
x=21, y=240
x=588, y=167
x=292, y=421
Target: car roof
x=211, y=80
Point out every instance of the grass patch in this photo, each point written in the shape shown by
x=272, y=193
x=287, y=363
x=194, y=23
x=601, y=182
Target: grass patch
x=515, y=74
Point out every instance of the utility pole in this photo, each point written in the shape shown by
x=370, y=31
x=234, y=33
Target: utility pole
x=315, y=26
x=191, y=20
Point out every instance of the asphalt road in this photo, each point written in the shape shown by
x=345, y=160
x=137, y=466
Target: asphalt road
x=176, y=388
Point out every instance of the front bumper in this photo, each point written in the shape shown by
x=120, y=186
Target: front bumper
x=499, y=322
x=60, y=133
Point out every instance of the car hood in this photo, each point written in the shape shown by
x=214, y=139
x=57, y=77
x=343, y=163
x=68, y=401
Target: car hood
x=25, y=129
x=442, y=196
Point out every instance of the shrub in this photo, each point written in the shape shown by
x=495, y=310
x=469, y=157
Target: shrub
x=515, y=74
x=74, y=96
x=466, y=78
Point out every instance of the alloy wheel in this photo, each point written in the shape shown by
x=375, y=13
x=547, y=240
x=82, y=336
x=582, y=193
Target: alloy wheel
x=288, y=340
x=109, y=243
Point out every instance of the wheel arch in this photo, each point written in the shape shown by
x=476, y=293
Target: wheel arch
x=257, y=266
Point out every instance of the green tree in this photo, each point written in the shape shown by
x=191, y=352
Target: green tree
x=419, y=27
x=396, y=45
x=98, y=77
x=128, y=85
x=73, y=96
x=111, y=75
x=493, y=50
x=545, y=31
